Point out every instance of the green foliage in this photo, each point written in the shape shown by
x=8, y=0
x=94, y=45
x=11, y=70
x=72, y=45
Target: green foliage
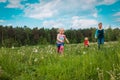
x=21, y=36
x=43, y=41
x=8, y=42
x=44, y=63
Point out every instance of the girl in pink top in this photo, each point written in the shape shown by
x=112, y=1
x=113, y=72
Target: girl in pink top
x=60, y=41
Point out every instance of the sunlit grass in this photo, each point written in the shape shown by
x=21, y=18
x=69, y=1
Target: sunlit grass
x=44, y=63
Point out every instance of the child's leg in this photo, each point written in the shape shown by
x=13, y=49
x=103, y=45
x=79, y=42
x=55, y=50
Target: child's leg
x=87, y=45
x=58, y=49
x=102, y=40
x=61, y=49
x=99, y=41
x=98, y=46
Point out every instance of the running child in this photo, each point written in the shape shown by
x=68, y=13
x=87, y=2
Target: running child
x=61, y=37
x=99, y=34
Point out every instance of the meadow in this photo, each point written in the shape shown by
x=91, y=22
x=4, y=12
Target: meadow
x=42, y=62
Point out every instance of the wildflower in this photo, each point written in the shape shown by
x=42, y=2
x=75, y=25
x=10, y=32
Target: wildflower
x=50, y=52
x=112, y=49
x=35, y=50
x=1, y=70
x=22, y=54
x=98, y=68
x=42, y=57
x=84, y=52
x=35, y=60
x=62, y=55
x=49, y=46
x=13, y=47
x=90, y=63
x=0, y=67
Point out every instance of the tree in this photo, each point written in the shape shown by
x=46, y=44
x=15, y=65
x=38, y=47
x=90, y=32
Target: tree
x=19, y=36
x=53, y=34
x=28, y=33
x=35, y=35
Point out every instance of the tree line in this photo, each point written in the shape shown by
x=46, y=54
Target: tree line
x=20, y=36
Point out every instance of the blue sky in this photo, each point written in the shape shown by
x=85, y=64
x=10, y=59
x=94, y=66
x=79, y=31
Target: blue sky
x=60, y=13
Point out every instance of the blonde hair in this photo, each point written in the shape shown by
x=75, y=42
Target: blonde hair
x=60, y=29
x=86, y=38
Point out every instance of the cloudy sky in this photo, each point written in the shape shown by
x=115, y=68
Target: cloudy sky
x=60, y=13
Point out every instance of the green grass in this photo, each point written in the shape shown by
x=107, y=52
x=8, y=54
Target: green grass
x=44, y=63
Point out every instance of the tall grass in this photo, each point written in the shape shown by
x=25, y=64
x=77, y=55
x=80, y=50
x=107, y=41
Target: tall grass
x=44, y=63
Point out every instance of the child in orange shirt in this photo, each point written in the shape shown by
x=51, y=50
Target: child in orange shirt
x=86, y=42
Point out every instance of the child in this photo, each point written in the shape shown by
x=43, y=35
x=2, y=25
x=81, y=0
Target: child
x=86, y=42
x=60, y=41
x=99, y=34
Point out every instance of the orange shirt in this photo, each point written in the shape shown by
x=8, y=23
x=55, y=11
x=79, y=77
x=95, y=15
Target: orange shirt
x=86, y=42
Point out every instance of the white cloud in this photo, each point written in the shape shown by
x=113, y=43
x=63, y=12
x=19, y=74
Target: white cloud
x=41, y=10
x=3, y=1
x=1, y=21
x=53, y=8
x=118, y=20
x=15, y=4
x=106, y=2
x=58, y=7
x=83, y=23
x=117, y=14
x=39, y=13
x=55, y=24
x=75, y=22
x=9, y=24
x=95, y=15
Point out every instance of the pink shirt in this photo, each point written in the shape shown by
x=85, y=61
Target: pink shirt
x=61, y=37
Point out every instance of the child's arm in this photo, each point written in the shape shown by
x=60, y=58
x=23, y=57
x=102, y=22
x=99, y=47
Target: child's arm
x=58, y=38
x=88, y=42
x=96, y=33
x=103, y=31
x=66, y=40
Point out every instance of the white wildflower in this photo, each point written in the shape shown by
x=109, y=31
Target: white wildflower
x=35, y=50
x=35, y=60
x=84, y=52
x=13, y=47
x=50, y=52
x=90, y=63
x=22, y=53
x=98, y=68
x=42, y=57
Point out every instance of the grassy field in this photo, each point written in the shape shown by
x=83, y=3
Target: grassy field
x=77, y=63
